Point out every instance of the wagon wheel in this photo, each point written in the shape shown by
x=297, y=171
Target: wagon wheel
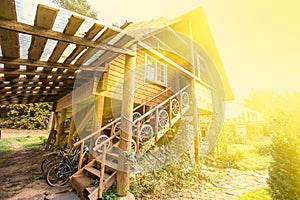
x=185, y=99
x=117, y=129
x=175, y=107
x=135, y=116
x=100, y=141
x=133, y=146
x=146, y=132
x=163, y=118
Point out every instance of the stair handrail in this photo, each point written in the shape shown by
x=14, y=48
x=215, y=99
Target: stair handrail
x=159, y=105
x=104, y=142
x=119, y=118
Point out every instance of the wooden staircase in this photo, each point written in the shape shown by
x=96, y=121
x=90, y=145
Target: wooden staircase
x=106, y=164
x=82, y=180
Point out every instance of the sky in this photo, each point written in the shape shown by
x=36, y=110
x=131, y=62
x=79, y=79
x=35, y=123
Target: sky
x=258, y=40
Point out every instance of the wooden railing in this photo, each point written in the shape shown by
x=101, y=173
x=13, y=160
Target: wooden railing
x=111, y=124
x=154, y=111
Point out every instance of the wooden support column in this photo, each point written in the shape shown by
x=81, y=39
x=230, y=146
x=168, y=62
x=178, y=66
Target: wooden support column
x=51, y=123
x=97, y=123
x=197, y=146
x=126, y=122
x=195, y=124
x=60, y=128
x=72, y=131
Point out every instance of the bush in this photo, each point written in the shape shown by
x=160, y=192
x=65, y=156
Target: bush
x=284, y=170
x=25, y=116
x=230, y=159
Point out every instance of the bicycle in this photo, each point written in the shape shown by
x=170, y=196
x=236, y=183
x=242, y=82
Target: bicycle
x=52, y=158
x=60, y=172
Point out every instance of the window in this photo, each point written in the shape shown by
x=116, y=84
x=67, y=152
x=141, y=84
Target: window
x=155, y=71
x=200, y=64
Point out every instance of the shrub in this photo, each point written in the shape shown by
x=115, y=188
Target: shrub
x=284, y=170
x=25, y=116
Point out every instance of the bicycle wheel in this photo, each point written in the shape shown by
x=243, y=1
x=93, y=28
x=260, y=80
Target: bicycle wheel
x=58, y=174
x=50, y=160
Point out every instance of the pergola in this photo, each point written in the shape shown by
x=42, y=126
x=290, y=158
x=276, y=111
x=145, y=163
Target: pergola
x=40, y=59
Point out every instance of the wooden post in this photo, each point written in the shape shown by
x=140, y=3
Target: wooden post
x=126, y=122
x=62, y=119
x=99, y=107
x=81, y=155
x=52, y=119
x=72, y=131
x=101, y=183
x=194, y=106
x=156, y=125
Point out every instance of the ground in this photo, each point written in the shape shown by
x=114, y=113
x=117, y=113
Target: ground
x=21, y=178
x=20, y=173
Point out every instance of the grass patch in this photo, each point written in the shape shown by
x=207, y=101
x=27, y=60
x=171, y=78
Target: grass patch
x=257, y=194
x=249, y=156
x=7, y=144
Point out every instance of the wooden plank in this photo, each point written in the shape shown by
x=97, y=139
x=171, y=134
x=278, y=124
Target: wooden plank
x=55, y=35
x=36, y=80
x=44, y=18
x=109, y=56
x=105, y=36
x=46, y=64
x=9, y=39
x=73, y=25
x=92, y=32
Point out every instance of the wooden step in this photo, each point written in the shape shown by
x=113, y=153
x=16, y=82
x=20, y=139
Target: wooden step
x=113, y=155
x=108, y=163
x=80, y=182
x=92, y=170
x=96, y=172
x=107, y=183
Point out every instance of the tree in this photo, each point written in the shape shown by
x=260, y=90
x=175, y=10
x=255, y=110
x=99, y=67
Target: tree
x=79, y=6
x=282, y=112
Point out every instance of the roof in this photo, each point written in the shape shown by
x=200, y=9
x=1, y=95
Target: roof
x=235, y=111
x=43, y=49
x=174, y=35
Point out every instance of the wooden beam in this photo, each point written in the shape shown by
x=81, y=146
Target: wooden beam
x=60, y=128
x=123, y=175
x=73, y=25
x=44, y=19
x=9, y=40
x=49, y=65
x=106, y=57
x=37, y=80
x=92, y=32
x=106, y=35
x=71, y=133
x=55, y=35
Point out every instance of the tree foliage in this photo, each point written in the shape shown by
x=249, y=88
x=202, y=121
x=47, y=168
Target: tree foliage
x=282, y=111
x=80, y=6
x=25, y=116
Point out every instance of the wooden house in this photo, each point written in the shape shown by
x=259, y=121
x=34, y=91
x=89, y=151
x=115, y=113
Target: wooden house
x=121, y=89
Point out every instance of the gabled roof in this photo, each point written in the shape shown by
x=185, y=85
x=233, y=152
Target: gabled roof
x=43, y=49
x=173, y=34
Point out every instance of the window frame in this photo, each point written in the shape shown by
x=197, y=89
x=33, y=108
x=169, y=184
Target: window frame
x=156, y=78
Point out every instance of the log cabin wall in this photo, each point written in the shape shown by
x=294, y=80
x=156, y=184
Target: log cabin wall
x=144, y=89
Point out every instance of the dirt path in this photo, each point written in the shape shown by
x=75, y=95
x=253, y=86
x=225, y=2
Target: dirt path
x=21, y=178
x=20, y=173
x=7, y=133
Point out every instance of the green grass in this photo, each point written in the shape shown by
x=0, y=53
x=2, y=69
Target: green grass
x=257, y=194
x=7, y=144
x=254, y=156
